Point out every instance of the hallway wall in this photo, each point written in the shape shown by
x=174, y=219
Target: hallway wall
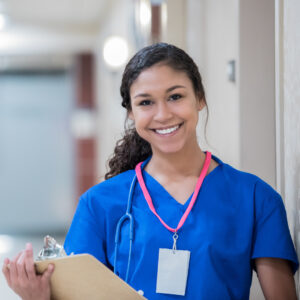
x=257, y=88
x=212, y=40
x=290, y=45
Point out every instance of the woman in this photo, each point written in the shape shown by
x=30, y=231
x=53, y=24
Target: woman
x=189, y=209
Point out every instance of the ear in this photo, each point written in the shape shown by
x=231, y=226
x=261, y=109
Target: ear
x=201, y=104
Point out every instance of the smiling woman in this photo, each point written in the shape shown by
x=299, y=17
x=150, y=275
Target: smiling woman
x=171, y=219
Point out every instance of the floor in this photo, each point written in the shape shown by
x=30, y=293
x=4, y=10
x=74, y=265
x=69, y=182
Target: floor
x=9, y=247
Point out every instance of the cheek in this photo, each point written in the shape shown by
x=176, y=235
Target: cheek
x=191, y=114
x=142, y=127
x=189, y=110
x=141, y=119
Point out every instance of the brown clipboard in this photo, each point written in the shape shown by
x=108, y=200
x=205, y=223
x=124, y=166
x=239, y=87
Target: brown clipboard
x=80, y=277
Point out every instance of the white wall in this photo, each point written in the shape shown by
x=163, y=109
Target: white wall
x=257, y=88
x=241, y=127
x=212, y=40
x=291, y=114
x=175, y=32
x=111, y=113
x=291, y=140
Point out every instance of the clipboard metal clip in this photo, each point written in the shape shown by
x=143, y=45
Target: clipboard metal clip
x=51, y=249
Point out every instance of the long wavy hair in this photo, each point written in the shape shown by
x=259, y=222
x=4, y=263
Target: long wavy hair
x=131, y=148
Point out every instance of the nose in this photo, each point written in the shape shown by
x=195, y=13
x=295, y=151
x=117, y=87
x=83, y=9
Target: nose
x=163, y=112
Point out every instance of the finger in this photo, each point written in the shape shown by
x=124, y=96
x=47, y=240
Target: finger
x=6, y=271
x=13, y=269
x=22, y=276
x=15, y=259
x=29, y=263
x=47, y=274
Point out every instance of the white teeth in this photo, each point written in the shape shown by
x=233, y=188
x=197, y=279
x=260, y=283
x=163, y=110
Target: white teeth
x=168, y=130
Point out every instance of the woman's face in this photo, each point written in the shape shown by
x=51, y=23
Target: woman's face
x=165, y=109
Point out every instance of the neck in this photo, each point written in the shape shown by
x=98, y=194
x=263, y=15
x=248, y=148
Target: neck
x=186, y=163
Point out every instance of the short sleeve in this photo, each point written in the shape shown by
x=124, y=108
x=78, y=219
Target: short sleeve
x=271, y=237
x=86, y=233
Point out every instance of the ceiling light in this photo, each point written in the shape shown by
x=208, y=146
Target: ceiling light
x=2, y=21
x=6, y=244
x=115, y=52
x=145, y=13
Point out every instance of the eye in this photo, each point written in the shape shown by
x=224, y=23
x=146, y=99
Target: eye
x=175, y=97
x=145, y=103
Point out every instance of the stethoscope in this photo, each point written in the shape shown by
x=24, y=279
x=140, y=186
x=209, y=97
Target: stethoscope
x=127, y=216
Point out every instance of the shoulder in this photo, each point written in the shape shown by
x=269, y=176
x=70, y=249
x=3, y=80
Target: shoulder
x=247, y=185
x=241, y=179
x=234, y=178
x=246, y=179
x=113, y=184
x=110, y=192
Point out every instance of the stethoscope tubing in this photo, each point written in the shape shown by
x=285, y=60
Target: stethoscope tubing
x=127, y=216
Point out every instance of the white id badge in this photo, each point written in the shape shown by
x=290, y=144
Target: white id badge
x=172, y=273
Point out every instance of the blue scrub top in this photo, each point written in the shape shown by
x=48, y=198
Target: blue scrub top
x=237, y=217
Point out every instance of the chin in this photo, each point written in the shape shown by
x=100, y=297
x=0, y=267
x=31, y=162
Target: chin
x=168, y=149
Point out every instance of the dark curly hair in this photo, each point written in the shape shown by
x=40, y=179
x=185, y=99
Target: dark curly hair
x=132, y=149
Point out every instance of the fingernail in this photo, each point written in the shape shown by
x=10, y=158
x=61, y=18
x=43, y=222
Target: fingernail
x=28, y=246
x=6, y=261
x=51, y=267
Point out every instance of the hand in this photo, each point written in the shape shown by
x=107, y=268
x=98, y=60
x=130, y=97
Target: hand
x=22, y=279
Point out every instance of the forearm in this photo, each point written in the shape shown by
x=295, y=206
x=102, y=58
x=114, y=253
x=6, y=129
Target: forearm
x=276, y=279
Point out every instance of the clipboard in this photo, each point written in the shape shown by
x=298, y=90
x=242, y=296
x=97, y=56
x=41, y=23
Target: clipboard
x=82, y=276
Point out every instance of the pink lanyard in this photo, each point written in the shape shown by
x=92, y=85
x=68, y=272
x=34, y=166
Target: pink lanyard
x=139, y=175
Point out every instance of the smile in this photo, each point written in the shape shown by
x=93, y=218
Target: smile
x=167, y=130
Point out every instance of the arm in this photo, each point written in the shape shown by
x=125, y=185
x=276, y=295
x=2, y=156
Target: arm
x=276, y=278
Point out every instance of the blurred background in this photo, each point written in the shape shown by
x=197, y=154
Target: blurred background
x=61, y=64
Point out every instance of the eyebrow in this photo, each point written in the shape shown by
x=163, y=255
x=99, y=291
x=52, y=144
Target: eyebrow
x=167, y=91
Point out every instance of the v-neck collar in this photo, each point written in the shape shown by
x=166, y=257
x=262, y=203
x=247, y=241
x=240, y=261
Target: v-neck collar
x=158, y=189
